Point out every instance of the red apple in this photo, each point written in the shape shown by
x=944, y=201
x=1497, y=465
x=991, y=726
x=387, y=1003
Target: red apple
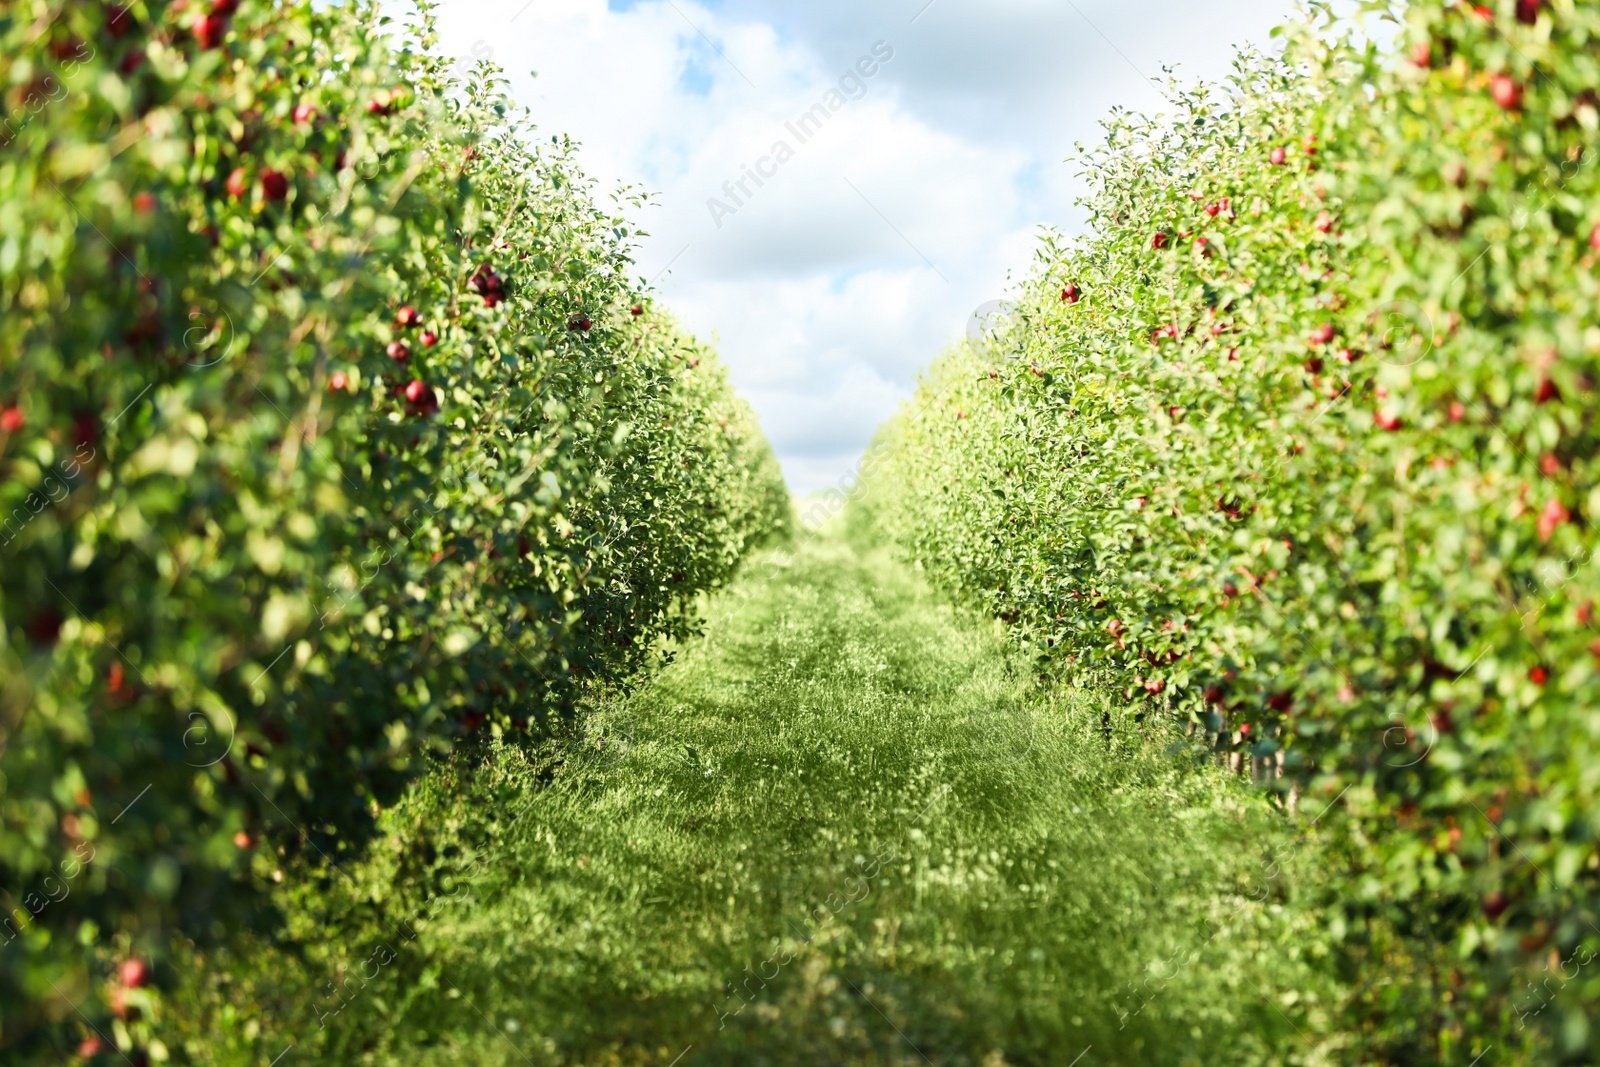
x=224, y=7
x=274, y=185
x=1554, y=514
x=1458, y=411
x=144, y=203
x=1547, y=391
x=11, y=419
x=1324, y=222
x=1594, y=238
x=209, y=30
x=1528, y=11
x=416, y=391
x=429, y=338
x=1279, y=157
x=1422, y=53
x=115, y=678
x=1388, y=421
x=133, y=973
x=1506, y=90
x=398, y=351
x=1309, y=145
x=383, y=102
x=407, y=316
x=1159, y=241
x=44, y=628
x=338, y=381
x=1322, y=334
x=244, y=840
x=1538, y=676
x=637, y=310
x=238, y=183
x=1494, y=904
x=304, y=113
x=1345, y=355
x=120, y=21
x=485, y=281
x=1070, y=294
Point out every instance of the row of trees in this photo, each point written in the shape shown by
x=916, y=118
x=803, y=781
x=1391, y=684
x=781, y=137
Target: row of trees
x=1299, y=443
x=333, y=431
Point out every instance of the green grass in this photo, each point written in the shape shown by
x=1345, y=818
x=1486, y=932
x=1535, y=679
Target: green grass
x=844, y=827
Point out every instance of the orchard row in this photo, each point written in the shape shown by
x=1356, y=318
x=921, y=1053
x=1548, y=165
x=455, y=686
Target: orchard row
x=333, y=434
x=1298, y=445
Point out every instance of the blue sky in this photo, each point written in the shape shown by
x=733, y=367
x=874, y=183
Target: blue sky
x=847, y=268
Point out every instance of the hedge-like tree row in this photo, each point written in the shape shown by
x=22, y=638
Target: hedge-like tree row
x=332, y=431
x=1299, y=442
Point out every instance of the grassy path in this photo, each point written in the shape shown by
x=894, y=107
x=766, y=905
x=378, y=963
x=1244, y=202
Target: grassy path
x=839, y=830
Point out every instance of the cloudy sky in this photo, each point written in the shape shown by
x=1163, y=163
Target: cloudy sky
x=831, y=258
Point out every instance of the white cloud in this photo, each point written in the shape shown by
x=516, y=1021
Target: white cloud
x=865, y=252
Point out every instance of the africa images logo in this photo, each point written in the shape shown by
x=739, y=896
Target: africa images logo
x=852, y=86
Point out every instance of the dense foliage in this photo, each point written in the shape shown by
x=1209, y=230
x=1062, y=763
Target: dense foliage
x=332, y=430
x=1299, y=442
